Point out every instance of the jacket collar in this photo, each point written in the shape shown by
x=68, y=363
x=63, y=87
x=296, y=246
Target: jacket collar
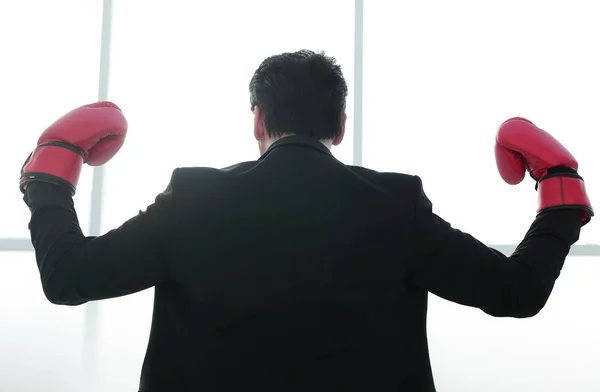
x=298, y=141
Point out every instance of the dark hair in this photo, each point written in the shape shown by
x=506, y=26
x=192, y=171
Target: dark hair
x=302, y=93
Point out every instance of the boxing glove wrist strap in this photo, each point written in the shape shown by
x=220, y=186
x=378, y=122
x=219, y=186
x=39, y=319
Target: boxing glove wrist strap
x=55, y=162
x=563, y=188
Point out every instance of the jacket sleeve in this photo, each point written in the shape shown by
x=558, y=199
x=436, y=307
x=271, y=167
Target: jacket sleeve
x=75, y=269
x=455, y=266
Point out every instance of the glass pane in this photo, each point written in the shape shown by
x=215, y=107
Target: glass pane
x=557, y=350
x=124, y=329
x=440, y=77
x=50, y=67
x=40, y=343
x=184, y=86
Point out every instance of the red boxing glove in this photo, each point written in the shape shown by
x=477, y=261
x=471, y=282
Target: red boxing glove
x=90, y=134
x=521, y=146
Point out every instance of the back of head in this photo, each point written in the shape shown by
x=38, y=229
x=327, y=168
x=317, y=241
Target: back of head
x=301, y=93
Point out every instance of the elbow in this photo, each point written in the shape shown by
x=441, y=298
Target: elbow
x=60, y=273
x=54, y=292
x=534, y=292
x=526, y=297
x=57, y=290
x=517, y=307
x=530, y=307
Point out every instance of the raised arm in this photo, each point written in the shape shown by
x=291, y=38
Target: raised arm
x=74, y=268
x=458, y=267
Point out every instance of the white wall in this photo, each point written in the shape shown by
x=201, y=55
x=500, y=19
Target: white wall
x=439, y=77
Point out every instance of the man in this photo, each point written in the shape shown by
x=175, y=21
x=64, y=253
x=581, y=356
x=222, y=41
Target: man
x=294, y=272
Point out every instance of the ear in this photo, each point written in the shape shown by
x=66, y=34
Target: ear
x=339, y=138
x=260, y=131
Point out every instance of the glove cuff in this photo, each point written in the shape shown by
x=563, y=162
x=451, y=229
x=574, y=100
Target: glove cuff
x=57, y=163
x=561, y=189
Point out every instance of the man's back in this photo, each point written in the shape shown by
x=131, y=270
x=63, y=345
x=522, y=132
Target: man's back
x=290, y=272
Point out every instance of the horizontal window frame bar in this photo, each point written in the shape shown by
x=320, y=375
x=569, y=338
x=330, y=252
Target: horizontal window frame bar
x=24, y=245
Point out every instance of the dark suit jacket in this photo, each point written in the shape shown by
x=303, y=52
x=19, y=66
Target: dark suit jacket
x=294, y=272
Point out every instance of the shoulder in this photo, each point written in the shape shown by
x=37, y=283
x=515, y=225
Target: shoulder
x=189, y=178
x=395, y=182
x=207, y=173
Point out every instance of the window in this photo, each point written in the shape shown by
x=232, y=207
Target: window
x=553, y=352
x=440, y=77
x=41, y=342
x=47, y=70
x=184, y=86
